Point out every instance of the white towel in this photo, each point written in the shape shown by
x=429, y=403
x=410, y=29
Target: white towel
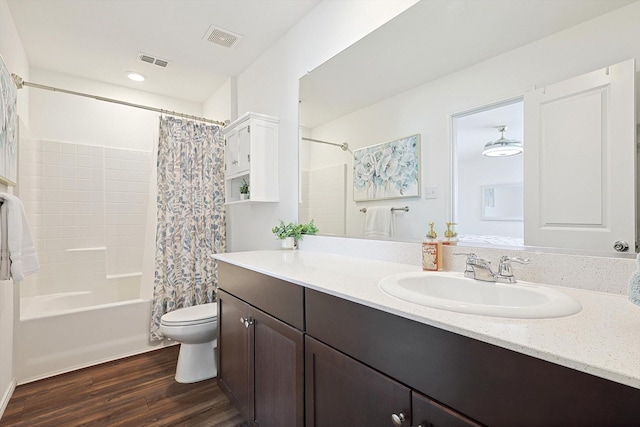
x=379, y=222
x=22, y=252
x=5, y=261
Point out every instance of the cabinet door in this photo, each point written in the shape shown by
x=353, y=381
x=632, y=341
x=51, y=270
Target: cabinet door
x=427, y=413
x=244, y=148
x=342, y=392
x=278, y=372
x=231, y=153
x=233, y=352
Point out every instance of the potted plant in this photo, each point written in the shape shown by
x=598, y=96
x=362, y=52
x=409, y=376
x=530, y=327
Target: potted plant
x=291, y=233
x=244, y=190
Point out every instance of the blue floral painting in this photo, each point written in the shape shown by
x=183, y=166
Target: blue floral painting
x=387, y=171
x=8, y=127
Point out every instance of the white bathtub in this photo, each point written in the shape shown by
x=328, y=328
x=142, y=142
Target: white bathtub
x=62, y=332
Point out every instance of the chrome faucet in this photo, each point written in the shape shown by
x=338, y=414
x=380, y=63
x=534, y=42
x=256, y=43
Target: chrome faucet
x=480, y=269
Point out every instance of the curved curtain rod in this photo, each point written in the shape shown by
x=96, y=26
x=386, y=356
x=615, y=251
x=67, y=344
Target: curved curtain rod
x=20, y=83
x=344, y=146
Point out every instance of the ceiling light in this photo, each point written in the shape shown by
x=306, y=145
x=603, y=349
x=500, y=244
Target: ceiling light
x=136, y=77
x=503, y=146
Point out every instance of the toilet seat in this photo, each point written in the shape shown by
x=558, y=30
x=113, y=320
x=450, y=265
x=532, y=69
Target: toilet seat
x=194, y=315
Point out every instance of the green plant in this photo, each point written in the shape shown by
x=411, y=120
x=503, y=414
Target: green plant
x=296, y=231
x=244, y=187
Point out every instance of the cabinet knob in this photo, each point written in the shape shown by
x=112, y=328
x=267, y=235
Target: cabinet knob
x=398, y=419
x=246, y=321
x=234, y=162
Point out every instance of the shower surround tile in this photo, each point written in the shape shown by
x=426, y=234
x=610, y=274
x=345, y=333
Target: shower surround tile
x=76, y=196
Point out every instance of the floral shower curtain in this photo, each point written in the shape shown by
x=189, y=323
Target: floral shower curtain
x=191, y=221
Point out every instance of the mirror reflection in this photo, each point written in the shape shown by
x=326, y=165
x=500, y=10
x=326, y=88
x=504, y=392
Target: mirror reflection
x=450, y=75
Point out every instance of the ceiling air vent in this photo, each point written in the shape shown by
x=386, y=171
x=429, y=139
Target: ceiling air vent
x=221, y=37
x=151, y=60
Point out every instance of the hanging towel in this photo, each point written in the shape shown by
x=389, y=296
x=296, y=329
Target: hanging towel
x=19, y=243
x=5, y=262
x=379, y=222
x=634, y=284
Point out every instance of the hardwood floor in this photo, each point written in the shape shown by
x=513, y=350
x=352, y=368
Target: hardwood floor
x=132, y=392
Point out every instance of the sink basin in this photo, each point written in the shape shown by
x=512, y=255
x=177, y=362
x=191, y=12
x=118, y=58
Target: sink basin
x=454, y=292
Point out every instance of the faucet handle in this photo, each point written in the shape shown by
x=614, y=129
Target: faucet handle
x=519, y=260
x=469, y=255
x=505, y=273
x=472, y=259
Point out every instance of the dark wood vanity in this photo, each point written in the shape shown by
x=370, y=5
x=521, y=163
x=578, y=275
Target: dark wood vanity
x=294, y=356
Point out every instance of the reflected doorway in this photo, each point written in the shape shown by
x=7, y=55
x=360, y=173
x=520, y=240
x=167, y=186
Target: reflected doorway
x=487, y=195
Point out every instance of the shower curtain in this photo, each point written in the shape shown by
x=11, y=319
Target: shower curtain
x=191, y=221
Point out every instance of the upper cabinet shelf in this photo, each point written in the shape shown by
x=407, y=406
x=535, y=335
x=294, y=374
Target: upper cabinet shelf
x=252, y=155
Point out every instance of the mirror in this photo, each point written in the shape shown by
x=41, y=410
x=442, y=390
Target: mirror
x=422, y=72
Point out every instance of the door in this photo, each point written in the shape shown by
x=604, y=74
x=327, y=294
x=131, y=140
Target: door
x=234, y=374
x=244, y=148
x=342, y=392
x=588, y=204
x=278, y=351
x=231, y=154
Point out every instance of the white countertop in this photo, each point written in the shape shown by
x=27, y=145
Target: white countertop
x=603, y=339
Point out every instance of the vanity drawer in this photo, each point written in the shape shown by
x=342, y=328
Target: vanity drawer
x=493, y=385
x=282, y=300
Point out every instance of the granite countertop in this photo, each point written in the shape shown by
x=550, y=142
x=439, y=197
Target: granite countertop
x=603, y=339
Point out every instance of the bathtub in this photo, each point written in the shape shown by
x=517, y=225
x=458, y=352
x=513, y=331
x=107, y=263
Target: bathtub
x=62, y=332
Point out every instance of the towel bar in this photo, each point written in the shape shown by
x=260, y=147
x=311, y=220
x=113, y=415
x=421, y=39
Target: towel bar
x=406, y=209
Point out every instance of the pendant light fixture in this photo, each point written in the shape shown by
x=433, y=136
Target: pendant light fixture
x=503, y=146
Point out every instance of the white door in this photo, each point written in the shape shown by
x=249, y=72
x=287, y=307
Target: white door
x=244, y=148
x=231, y=153
x=579, y=162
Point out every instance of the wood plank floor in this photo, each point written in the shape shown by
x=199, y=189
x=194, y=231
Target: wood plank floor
x=135, y=391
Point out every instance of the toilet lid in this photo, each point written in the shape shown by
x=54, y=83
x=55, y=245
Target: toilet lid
x=191, y=315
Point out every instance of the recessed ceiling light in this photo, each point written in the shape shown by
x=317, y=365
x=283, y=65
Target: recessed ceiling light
x=136, y=77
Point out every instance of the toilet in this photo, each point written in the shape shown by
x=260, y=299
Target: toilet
x=196, y=328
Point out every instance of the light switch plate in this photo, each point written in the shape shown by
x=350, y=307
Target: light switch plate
x=431, y=192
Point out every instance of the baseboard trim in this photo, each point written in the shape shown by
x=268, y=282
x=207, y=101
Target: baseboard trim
x=7, y=396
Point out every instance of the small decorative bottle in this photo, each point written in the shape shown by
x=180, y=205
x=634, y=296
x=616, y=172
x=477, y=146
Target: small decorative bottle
x=431, y=251
x=450, y=236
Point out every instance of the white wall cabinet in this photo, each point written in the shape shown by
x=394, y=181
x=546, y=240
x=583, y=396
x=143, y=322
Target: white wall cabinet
x=251, y=155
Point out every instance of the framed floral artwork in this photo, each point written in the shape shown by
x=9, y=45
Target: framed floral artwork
x=389, y=170
x=8, y=127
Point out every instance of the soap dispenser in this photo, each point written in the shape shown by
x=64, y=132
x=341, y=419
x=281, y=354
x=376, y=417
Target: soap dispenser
x=450, y=236
x=431, y=251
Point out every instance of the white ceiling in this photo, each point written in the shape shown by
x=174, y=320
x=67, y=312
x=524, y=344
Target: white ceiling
x=101, y=39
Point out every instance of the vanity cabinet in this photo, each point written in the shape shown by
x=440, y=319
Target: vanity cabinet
x=294, y=356
x=342, y=392
x=489, y=384
x=261, y=355
x=251, y=155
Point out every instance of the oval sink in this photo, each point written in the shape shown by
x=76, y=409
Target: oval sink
x=454, y=292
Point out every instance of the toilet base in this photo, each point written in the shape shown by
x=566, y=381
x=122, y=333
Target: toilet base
x=196, y=362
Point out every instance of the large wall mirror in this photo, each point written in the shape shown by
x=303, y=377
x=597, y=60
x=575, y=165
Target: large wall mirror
x=555, y=80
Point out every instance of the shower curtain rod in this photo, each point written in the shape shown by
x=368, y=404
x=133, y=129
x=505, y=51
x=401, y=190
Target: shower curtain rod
x=344, y=146
x=20, y=83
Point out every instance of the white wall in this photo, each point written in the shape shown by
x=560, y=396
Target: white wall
x=270, y=86
x=61, y=117
x=15, y=58
x=427, y=109
x=219, y=105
